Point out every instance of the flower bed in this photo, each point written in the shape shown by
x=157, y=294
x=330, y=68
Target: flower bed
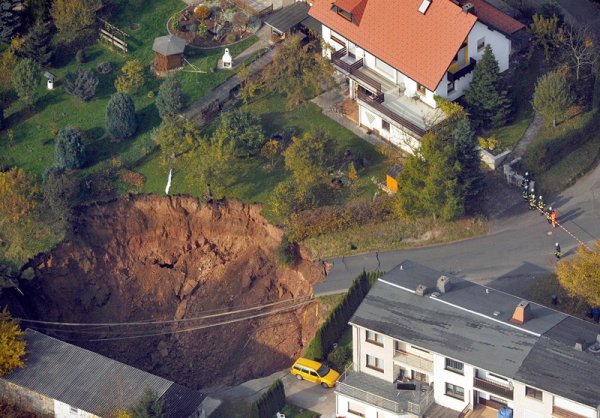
x=213, y=24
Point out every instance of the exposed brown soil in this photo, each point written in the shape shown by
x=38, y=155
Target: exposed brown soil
x=164, y=258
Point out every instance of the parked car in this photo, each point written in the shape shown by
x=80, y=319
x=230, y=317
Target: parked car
x=313, y=371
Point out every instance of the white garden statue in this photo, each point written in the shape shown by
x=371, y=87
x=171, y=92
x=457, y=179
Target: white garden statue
x=227, y=60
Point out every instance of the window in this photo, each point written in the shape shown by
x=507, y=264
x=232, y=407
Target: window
x=375, y=363
x=385, y=126
x=344, y=14
x=480, y=44
x=533, y=393
x=74, y=411
x=455, y=366
x=420, y=88
x=455, y=391
x=356, y=409
x=450, y=86
x=373, y=337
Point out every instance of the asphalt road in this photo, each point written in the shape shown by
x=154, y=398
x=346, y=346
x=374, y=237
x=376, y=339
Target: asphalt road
x=520, y=244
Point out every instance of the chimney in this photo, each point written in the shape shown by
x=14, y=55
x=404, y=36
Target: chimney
x=469, y=8
x=421, y=290
x=580, y=344
x=443, y=284
x=522, y=313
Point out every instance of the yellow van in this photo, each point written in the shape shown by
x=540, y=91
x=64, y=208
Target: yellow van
x=315, y=372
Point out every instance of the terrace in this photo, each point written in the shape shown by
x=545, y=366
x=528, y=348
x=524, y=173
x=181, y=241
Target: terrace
x=366, y=388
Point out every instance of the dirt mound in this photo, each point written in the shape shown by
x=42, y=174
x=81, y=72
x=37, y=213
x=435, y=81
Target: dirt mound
x=166, y=258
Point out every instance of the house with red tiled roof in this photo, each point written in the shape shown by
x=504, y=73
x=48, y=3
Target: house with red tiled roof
x=397, y=55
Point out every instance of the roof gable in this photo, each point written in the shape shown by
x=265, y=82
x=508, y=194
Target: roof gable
x=421, y=46
x=494, y=17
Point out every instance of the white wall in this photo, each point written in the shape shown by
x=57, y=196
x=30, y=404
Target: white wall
x=500, y=44
x=385, y=353
x=63, y=410
x=443, y=376
x=369, y=410
x=527, y=407
x=578, y=408
x=397, y=136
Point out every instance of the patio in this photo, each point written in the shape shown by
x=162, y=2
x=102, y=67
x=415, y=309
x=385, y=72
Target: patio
x=482, y=411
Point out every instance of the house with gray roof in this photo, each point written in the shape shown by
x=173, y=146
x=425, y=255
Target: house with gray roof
x=429, y=345
x=62, y=380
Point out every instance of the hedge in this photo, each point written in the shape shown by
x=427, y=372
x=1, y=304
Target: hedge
x=270, y=402
x=337, y=321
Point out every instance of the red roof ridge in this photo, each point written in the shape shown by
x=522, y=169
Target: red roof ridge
x=492, y=16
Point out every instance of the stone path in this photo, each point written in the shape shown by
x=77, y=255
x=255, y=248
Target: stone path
x=530, y=133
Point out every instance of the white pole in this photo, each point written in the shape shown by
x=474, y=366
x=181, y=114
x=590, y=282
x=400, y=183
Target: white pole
x=169, y=181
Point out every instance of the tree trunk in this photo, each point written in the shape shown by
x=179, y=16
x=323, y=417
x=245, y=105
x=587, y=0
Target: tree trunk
x=554, y=122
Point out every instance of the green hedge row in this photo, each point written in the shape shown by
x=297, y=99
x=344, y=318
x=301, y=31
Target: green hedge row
x=270, y=402
x=337, y=321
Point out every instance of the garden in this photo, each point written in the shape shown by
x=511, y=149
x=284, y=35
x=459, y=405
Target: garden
x=213, y=23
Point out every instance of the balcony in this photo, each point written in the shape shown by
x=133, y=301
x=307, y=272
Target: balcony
x=453, y=76
x=505, y=391
x=376, y=102
x=350, y=66
x=382, y=394
x=558, y=412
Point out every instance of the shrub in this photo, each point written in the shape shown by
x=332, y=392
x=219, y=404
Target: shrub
x=339, y=356
x=202, y=12
x=132, y=178
x=131, y=78
x=82, y=84
x=60, y=190
x=104, y=67
x=169, y=100
x=1, y=117
x=69, y=151
x=80, y=56
x=270, y=402
x=26, y=79
x=120, y=116
x=231, y=38
x=286, y=252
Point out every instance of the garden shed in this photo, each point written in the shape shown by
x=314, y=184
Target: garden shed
x=286, y=19
x=168, y=53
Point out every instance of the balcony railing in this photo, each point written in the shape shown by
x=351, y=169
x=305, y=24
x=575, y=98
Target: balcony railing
x=505, y=391
x=413, y=360
x=374, y=102
x=453, y=76
x=353, y=69
x=559, y=412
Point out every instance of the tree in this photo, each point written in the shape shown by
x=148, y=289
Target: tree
x=69, y=150
x=26, y=79
x=12, y=344
x=131, y=78
x=488, y=103
x=551, y=8
x=310, y=157
x=580, y=48
x=169, y=100
x=149, y=406
x=1, y=117
x=248, y=84
x=59, y=191
x=175, y=137
x=120, y=116
x=18, y=193
x=429, y=181
x=38, y=45
x=580, y=274
x=271, y=151
x=243, y=129
x=551, y=97
x=10, y=20
x=72, y=16
x=548, y=34
x=297, y=70
x=8, y=61
x=82, y=84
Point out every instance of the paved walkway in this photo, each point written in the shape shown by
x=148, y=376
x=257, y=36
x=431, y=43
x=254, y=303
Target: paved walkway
x=529, y=135
x=222, y=92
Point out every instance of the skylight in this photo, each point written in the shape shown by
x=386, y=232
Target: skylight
x=424, y=6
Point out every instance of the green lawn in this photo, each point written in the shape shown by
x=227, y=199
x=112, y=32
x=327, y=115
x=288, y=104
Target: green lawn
x=251, y=179
x=521, y=90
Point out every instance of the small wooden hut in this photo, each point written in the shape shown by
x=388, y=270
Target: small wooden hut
x=168, y=53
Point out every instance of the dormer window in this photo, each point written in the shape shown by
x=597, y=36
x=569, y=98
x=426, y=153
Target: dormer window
x=344, y=14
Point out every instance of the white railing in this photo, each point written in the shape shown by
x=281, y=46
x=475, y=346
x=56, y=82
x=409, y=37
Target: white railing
x=413, y=360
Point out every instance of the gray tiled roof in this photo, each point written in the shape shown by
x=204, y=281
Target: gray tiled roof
x=471, y=325
x=286, y=18
x=92, y=382
x=168, y=45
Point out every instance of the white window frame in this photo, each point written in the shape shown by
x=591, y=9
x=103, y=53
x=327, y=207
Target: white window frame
x=450, y=390
x=455, y=366
x=375, y=363
x=534, y=393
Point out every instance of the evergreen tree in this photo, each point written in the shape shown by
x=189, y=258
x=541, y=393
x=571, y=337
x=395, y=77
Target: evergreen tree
x=10, y=20
x=38, y=45
x=488, y=103
x=120, y=116
x=470, y=178
x=551, y=97
x=82, y=84
x=243, y=129
x=429, y=181
x=69, y=151
x=26, y=79
x=169, y=100
x=149, y=406
x=60, y=190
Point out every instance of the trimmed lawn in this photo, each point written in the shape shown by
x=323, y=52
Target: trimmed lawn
x=251, y=179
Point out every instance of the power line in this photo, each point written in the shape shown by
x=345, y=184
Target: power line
x=170, y=321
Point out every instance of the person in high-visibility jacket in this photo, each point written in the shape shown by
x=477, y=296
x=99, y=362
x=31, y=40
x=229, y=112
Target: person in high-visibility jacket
x=557, y=252
x=553, y=216
x=532, y=200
